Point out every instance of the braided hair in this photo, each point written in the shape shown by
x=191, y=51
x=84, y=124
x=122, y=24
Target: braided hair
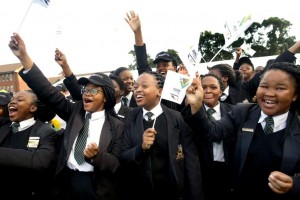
x=222, y=87
x=159, y=78
x=294, y=71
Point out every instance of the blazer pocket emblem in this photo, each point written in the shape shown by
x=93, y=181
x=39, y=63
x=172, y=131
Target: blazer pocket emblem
x=248, y=130
x=33, y=142
x=179, y=155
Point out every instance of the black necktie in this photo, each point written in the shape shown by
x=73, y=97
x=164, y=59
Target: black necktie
x=210, y=113
x=149, y=115
x=81, y=140
x=269, y=125
x=125, y=101
x=15, y=127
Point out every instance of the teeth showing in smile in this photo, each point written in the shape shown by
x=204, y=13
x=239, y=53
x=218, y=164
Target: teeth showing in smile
x=139, y=96
x=269, y=102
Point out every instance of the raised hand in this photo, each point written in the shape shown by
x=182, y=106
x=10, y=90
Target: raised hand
x=17, y=46
x=61, y=59
x=134, y=21
x=194, y=95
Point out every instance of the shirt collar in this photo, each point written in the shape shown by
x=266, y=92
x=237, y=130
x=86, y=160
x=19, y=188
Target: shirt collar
x=226, y=91
x=118, y=106
x=128, y=96
x=157, y=110
x=279, y=120
x=97, y=115
x=26, y=123
x=216, y=108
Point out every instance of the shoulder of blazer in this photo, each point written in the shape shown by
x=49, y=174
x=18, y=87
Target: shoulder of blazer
x=39, y=128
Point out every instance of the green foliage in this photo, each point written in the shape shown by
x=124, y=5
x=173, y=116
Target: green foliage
x=271, y=37
x=133, y=65
x=268, y=38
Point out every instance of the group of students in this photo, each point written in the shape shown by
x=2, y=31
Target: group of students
x=211, y=146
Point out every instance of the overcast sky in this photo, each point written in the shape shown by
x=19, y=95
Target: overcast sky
x=95, y=37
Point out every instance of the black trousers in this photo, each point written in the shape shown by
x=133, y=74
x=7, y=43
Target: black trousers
x=76, y=185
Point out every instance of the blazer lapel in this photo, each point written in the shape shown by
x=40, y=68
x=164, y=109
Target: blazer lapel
x=106, y=136
x=72, y=134
x=248, y=129
x=173, y=133
x=291, y=151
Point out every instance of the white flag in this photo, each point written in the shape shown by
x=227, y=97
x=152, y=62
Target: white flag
x=233, y=30
x=175, y=86
x=44, y=3
x=247, y=49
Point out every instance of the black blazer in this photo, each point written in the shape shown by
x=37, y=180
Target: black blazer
x=132, y=102
x=241, y=124
x=185, y=172
x=206, y=146
x=106, y=163
x=124, y=112
x=28, y=173
x=143, y=66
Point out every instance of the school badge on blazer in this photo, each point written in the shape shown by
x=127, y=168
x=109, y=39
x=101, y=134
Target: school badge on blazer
x=33, y=142
x=179, y=155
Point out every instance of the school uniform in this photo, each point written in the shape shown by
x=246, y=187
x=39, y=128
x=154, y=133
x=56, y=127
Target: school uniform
x=106, y=163
x=250, y=152
x=122, y=111
x=214, y=159
x=26, y=159
x=170, y=166
x=143, y=66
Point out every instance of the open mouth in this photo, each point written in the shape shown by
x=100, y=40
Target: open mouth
x=12, y=111
x=139, y=97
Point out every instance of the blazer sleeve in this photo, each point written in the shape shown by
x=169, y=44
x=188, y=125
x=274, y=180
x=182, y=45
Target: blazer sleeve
x=73, y=87
x=108, y=160
x=141, y=59
x=47, y=93
x=32, y=158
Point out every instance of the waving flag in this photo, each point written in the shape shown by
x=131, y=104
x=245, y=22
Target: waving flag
x=44, y=3
x=233, y=30
x=175, y=87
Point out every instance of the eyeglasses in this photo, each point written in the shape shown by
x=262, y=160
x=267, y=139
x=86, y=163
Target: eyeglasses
x=92, y=91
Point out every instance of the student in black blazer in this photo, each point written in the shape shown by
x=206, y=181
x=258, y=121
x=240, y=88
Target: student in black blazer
x=126, y=75
x=27, y=152
x=95, y=178
x=266, y=156
x=161, y=160
x=164, y=61
x=75, y=89
x=121, y=110
x=214, y=154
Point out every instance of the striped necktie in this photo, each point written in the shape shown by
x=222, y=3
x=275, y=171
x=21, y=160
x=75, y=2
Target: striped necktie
x=15, y=127
x=210, y=113
x=125, y=101
x=269, y=125
x=149, y=115
x=81, y=140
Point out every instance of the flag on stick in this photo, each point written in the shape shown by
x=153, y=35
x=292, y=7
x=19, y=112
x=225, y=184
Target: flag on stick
x=233, y=30
x=44, y=3
x=175, y=86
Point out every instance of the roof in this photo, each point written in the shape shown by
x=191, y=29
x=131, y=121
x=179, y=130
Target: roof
x=10, y=67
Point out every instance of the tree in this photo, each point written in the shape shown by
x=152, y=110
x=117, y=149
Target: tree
x=133, y=65
x=267, y=39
